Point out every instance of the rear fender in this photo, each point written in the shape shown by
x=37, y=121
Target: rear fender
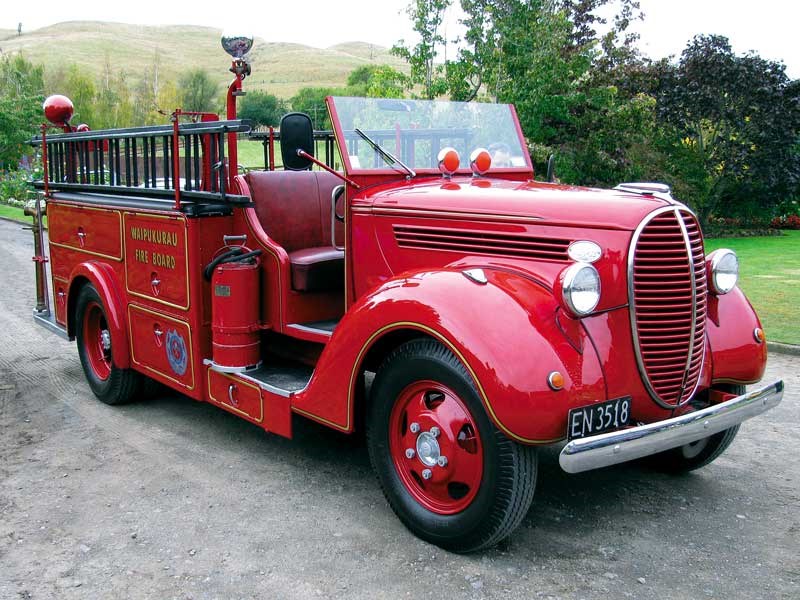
x=102, y=277
x=736, y=355
x=508, y=334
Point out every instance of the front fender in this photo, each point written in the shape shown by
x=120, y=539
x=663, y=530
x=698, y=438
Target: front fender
x=104, y=280
x=509, y=334
x=736, y=355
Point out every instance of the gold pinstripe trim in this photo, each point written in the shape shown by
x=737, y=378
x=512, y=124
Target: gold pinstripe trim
x=736, y=381
x=74, y=249
x=459, y=355
x=385, y=212
x=272, y=253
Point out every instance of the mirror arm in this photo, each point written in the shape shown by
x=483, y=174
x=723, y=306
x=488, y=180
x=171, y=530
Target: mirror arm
x=322, y=165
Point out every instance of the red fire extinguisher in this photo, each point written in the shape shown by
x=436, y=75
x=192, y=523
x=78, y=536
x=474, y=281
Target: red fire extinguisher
x=235, y=302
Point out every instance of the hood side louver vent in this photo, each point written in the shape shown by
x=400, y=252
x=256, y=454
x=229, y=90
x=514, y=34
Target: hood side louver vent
x=481, y=242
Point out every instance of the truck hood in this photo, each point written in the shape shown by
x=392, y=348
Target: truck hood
x=499, y=200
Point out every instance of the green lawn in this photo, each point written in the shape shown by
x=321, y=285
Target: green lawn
x=12, y=212
x=769, y=273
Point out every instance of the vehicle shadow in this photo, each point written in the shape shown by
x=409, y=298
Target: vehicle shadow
x=566, y=510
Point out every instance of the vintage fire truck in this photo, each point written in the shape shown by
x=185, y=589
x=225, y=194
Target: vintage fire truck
x=415, y=283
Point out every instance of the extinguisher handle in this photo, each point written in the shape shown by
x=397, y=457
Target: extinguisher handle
x=229, y=239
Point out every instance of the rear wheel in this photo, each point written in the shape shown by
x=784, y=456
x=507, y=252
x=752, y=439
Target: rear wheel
x=700, y=453
x=109, y=383
x=450, y=476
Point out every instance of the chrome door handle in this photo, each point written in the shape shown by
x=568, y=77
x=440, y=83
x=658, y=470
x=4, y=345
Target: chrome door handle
x=335, y=194
x=231, y=390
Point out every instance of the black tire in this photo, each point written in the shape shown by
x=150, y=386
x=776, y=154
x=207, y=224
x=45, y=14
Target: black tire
x=508, y=480
x=689, y=457
x=109, y=383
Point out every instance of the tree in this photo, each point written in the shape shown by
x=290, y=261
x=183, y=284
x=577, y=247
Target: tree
x=376, y=81
x=198, y=91
x=735, y=123
x=546, y=58
x=427, y=16
x=21, y=96
x=262, y=108
x=311, y=100
x=78, y=86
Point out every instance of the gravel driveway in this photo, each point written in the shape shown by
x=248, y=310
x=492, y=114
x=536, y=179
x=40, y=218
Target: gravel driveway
x=171, y=498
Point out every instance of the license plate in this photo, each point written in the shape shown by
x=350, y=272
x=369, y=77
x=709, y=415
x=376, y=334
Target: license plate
x=598, y=418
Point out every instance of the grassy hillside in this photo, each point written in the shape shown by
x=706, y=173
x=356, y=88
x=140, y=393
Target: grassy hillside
x=280, y=68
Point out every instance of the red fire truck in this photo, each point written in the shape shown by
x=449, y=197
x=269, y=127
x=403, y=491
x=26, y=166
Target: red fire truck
x=402, y=274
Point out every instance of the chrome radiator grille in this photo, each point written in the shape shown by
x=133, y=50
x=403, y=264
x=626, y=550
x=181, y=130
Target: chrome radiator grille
x=668, y=294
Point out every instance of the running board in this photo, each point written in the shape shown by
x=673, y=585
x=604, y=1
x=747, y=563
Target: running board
x=282, y=380
x=48, y=321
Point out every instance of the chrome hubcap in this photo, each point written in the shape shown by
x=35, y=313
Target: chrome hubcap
x=428, y=449
x=105, y=339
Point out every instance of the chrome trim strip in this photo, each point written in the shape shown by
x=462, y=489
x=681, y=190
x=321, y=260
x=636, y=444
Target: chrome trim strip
x=690, y=256
x=607, y=449
x=315, y=331
x=48, y=322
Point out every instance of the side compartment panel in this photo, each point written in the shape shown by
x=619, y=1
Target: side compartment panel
x=94, y=231
x=235, y=395
x=156, y=258
x=162, y=346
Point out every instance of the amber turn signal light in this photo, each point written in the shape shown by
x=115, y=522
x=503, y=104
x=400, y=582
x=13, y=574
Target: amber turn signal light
x=449, y=160
x=758, y=333
x=480, y=161
x=555, y=380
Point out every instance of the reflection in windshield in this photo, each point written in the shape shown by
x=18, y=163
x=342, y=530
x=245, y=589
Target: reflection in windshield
x=415, y=130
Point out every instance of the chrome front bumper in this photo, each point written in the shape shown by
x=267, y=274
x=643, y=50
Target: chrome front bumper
x=589, y=453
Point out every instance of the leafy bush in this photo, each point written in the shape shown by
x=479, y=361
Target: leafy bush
x=786, y=222
x=14, y=187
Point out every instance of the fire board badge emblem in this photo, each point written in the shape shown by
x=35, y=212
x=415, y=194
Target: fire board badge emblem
x=176, y=352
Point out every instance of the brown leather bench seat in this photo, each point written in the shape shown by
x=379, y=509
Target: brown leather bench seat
x=294, y=208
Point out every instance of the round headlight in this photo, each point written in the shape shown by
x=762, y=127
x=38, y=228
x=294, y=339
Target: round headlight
x=723, y=268
x=580, y=288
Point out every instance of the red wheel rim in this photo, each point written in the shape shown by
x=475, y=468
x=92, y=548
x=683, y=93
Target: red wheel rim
x=435, y=447
x=97, y=340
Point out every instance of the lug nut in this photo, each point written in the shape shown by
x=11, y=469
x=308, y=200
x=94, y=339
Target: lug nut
x=435, y=431
x=414, y=428
x=442, y=461
x=426, y=474
x=409, y=453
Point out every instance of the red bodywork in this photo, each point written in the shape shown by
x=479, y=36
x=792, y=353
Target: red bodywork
x=407, y=244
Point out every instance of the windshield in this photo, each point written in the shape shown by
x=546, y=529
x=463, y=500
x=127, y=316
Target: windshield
x=414, y=131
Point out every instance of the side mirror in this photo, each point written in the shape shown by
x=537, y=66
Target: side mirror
x=297, y=133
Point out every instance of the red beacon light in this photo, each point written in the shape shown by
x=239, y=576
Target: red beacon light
x=58, y=110
x=480, y=161
x=449, y=160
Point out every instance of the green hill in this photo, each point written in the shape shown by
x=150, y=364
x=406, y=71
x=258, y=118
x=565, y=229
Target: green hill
x=280, y=68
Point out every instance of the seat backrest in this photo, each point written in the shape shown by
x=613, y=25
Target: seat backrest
x=294, y=207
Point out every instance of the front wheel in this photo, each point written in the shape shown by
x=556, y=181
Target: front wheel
x=109, y=383
x=695, y=455
x=450, y=476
